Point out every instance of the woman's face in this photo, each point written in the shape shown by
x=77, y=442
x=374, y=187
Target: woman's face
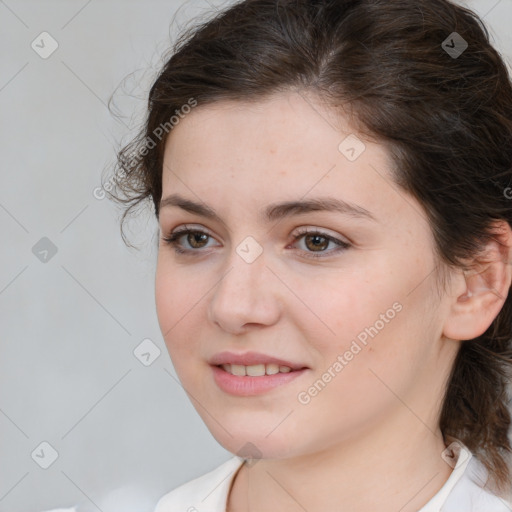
x=360, y=324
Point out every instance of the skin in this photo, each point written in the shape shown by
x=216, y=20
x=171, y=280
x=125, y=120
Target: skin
x=356, y=445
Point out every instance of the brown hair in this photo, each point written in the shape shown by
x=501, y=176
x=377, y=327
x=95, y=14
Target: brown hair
x=446, y=120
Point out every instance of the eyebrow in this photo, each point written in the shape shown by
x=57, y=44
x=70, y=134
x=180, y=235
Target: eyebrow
x=275, y=211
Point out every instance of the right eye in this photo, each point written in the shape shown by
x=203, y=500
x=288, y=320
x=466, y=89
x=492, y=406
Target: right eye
x=193, y=236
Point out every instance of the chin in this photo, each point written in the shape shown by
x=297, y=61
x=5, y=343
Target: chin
x=254, y=443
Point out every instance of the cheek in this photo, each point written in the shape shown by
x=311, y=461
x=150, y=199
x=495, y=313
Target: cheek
x=347, y=308
x=374, y=323
x=178, y=304
x=358, y=368
x=382, y=335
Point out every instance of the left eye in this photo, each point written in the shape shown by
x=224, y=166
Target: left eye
x=316, y=240
x=319, y=240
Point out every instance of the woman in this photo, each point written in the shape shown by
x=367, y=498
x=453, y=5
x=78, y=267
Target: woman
x=332, y=185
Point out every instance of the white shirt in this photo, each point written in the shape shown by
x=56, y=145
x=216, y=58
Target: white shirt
x=462, y=492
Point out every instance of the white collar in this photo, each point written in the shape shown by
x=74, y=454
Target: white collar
x=462, y=492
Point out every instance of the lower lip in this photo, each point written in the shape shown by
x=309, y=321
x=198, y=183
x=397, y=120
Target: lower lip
x=248, y=386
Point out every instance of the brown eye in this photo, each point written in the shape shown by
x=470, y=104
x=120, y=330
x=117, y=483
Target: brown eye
x=195, y=240
x=315, y=242
x=196, y=237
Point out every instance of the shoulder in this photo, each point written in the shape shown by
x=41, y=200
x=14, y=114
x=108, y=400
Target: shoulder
x=207, y=493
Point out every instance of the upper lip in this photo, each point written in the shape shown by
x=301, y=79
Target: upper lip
x=251, y=358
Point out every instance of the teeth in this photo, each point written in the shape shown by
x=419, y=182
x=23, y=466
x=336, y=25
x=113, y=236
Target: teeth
x=238, y=369
x=272, y=369
x=255, y=370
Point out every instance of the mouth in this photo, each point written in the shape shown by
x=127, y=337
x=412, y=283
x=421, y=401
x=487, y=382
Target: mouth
x=255, y=370
x=240, y=380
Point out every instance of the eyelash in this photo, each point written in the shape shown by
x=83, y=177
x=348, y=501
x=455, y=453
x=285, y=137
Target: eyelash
x=173, y=238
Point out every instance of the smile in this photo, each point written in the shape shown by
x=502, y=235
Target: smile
x=240, y=380
x=255, y=370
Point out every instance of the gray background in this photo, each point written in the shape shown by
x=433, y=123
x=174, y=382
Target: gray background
x=125, y=433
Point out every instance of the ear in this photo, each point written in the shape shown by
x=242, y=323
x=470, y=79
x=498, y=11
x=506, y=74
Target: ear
x=481, y=292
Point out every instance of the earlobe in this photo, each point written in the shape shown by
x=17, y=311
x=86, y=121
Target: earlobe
x=486, y=288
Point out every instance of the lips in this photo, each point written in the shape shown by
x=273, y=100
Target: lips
x=252, y=359
x=258, y=383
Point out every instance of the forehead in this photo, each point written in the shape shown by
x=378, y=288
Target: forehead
x=287, y=146
x=277, y=124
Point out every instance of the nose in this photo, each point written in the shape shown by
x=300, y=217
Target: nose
x=246, y=295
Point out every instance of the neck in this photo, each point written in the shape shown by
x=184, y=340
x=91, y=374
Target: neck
x=377, y=472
